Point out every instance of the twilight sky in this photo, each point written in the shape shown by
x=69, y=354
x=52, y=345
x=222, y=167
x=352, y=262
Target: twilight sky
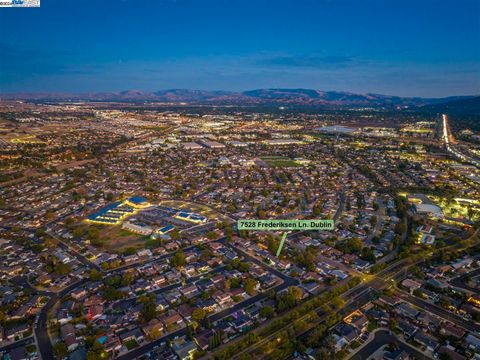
x=397, y=47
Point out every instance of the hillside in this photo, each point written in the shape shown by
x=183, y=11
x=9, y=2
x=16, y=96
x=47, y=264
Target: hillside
x=268, y=97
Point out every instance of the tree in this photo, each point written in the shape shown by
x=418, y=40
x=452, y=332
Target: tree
x=285, y=301
x=267, y=312
x=323, y=354
x=37, y=248
x=95, y=354
x=337, y=302
x=62, y=269
x=243, y=267
x=400, y=228
x=174, y=234
x=109, y=293
x=198, y=314
x=214, y=341
x=232, y=283
x=60, y=350
x=240, y=266
x=194, y=325
x=95, y=275
x=444, y=302
x=418, y=293
x=249, y=286
x=353, y=245
x=206, y=254
x=295, y=292
x=155, y=334
x=149, y=308
x=306, y=259
x=178, y=260
x=228, y=232
x=189, y=334
x=78, y=232
x=273, y=243
x=69, y=222
x=93, y=233
x=261, y=213
x=40, y=232
x=317, y=210
x=470, y=212
x=129, y=251
x=127, y=278
x=367, y=254
x=211, y=235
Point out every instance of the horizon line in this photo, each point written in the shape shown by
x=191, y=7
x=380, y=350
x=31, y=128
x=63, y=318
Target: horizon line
x=240, y=92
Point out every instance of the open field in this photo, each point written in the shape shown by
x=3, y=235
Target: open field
x=280, y=161
x=28, y=139
x=456, y=208
x=116, y=239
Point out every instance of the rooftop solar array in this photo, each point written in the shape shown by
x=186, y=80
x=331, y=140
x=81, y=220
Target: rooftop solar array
x=166, y=229
x=137, y=200
x=190, y=216
x=111, y=213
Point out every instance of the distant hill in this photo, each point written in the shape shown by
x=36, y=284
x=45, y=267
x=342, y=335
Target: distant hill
x=258, y=97
x=184, y=95
x=469, y=106
x=340, y=98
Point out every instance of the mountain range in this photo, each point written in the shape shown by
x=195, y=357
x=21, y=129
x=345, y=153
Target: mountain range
x=267, y=97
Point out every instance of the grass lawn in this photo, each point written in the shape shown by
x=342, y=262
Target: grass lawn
x=279, y=161
x=372, y=325
x=455, y=209
x=355, y=344
x=131, y=344
x=155, y=128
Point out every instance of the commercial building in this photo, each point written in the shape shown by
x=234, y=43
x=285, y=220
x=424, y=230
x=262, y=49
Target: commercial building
x=429, y=209
x=277, y=142
x=336, y=129
x=111, y=214
x=213, y=144
x=191, y=146
x=190, y=216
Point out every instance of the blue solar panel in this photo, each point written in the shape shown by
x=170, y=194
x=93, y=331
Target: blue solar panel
x=106, y=211
x=137, y=199
x=197, y=217
x=167, y=228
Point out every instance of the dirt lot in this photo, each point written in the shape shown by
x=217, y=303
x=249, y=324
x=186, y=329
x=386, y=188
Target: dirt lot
x=116, y=239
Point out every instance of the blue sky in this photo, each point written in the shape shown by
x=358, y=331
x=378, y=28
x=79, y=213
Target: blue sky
x=398, y=47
